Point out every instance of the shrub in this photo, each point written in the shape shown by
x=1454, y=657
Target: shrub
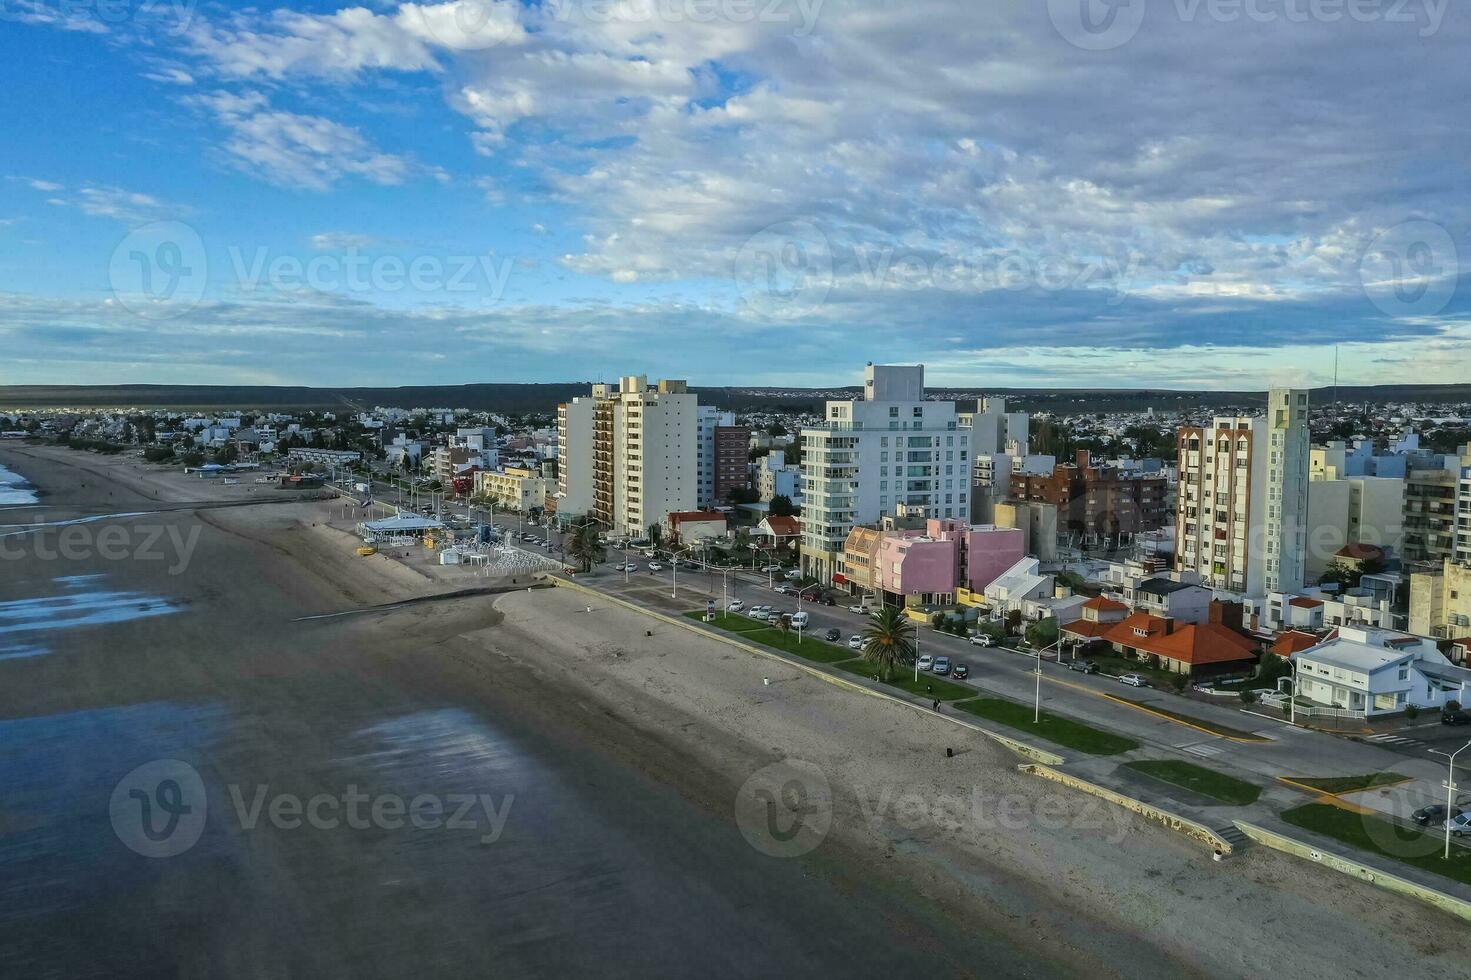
x=1248, y=697
x=1412, y=712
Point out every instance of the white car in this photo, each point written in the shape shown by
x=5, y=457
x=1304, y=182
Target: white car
x=771, y=568
x=924, y=661
x=1133, y=680
x=762, y=613
x=736, y=605
x=1459, y=824
x=858, y=609
x=983, y=640
x=800, y=620
x=655, y=567
x=630, y=567
x=855, y=641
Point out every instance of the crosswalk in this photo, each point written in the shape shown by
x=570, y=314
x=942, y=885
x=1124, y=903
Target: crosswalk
x=1398, y=741
x=1204, y=749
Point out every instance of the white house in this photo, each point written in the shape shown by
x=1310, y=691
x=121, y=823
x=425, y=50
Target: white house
x=1016, y=585
x=1377, y=672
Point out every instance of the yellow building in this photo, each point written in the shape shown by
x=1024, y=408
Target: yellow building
x=515, y=488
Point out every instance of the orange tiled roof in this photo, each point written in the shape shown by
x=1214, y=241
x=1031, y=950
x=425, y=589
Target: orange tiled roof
x=1293, y=641
x=1104, y=604
x=1303, y=602
x=1089, y=628
x=1208, y=643
x=1123, y=632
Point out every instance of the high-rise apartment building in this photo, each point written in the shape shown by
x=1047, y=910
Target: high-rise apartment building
x=1095, y=501
x=889, y=453
x=1289, y=452
x=628, y=454
x=1242, y=510
x=722, y=456
x=708, y=418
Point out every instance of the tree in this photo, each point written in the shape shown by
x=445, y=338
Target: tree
x=888, y=641
x=656, y=534
x=781, y=506
x=1042, y=633
x=582, y=544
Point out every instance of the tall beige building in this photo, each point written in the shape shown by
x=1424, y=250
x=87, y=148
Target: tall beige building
x=628, y=454
x=1242, y=509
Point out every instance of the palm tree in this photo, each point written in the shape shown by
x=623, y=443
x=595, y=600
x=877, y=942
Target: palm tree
x=888, y=640
x=583, y=544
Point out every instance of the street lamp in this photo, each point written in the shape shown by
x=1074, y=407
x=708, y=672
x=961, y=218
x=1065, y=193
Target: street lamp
x=814, y=585
x=1292, y=697
x=1450, y=796
x=674, y=568
x=1037, y=703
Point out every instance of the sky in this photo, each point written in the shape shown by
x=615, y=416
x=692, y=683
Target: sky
x=1193, y=194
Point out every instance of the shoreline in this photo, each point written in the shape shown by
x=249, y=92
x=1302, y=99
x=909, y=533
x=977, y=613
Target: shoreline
x=686, y=721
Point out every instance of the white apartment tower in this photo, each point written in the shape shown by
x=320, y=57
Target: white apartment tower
x=1242, y=511
x=627, y=454
x=889, y=453
x=1289, y=452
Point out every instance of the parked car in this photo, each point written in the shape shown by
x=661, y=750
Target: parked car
x=828, y=600
x=961, y=672
x=941, y=666
x=983, y=640
x=855, y=641
x=925, y=661
x=1083, y=666
x=1455, y=717
x=630, y=567
x=785, y=590
x=833, y=635
x=736, y=605
x=655, y=567
x=1434, y=814
x=857, y=609
x=770, y=568
x=800, y=620
x=1133, y=680
x=1459, y=824
x=810, y=597
x=759, y=612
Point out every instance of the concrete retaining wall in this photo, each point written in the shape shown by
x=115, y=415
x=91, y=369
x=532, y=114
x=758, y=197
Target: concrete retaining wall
x=1363, y=872
x=1174, y=821
x=1021, y=748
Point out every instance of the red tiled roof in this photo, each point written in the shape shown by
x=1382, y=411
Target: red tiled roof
x=1359, y=552
x=1303, y=602
x=696, y=515
x=784, y=527
x=1123, y=632
x=1104, y=604
x=1293, y=641
x=1089, y=628
x=1192, y=644
x=1208, y=643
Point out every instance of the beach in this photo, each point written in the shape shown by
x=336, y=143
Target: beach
x=615, y=767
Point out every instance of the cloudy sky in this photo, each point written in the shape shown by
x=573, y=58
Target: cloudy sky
x=1182, y=193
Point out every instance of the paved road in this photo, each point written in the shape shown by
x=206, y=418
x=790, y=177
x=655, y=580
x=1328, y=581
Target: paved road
x=1288, y=751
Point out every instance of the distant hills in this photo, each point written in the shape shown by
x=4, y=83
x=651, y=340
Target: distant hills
x=516, y=399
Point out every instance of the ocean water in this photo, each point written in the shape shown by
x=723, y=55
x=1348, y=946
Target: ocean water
x=14, y=490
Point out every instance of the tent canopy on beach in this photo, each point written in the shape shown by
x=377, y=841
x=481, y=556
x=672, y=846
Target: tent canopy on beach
x=400, y=524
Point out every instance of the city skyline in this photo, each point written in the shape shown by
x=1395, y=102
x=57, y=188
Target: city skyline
x=497, y=191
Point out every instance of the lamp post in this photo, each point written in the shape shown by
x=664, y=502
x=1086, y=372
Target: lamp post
x=1450, y=796
x=1291, y=697
x=674, y=569
x=1037, y=702
x=814, y=585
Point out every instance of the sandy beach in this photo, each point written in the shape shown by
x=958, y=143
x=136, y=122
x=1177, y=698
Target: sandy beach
x=645, y=776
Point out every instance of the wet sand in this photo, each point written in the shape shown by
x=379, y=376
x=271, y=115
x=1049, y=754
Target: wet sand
x=616, y=759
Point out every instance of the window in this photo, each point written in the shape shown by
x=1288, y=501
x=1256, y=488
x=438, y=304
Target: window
x=893, y=411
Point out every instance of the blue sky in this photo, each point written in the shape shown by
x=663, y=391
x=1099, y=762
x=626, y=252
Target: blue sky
x=774, y=193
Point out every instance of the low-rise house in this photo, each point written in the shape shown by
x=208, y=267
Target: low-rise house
x=1194, y=649
x=1184, y=602
x=1018, y=583
x=688, y=528
x=1371, y=672
x=778, y=532
x=517, y=488
x=1095, y=618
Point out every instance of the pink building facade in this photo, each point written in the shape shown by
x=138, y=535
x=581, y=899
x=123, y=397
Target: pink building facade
x=947, y=555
